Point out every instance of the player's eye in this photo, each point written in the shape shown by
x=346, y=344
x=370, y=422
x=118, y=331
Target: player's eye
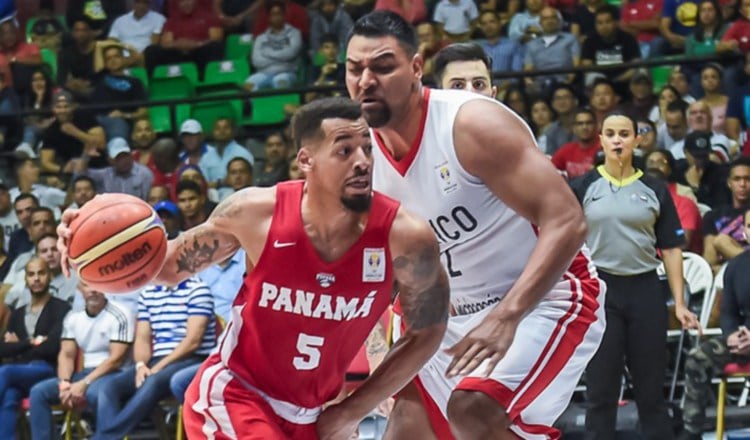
x=458, y=85
x=479, y=85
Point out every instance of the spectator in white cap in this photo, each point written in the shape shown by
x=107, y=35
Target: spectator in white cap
x=124, y=175
x=193, y=143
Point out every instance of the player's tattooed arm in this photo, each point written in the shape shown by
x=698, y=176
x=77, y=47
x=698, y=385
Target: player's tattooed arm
x=424, y=287
x=376, y=346
x=206, y=244
x=423, y=294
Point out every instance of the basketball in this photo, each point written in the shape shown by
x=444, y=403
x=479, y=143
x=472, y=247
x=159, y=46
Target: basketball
x=118, y=243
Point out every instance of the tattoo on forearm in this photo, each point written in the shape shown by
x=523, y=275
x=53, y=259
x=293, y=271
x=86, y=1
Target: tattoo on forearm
x=191, y=259
x=376, y=343
x=425, y=290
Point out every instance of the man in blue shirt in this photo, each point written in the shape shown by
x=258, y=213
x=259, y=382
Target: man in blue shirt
x=505, y=54
x=214, y=162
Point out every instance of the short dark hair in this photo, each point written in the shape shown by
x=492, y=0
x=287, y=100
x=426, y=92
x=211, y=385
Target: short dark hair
x=112, y=46
x=243, y=160
x=606, y=9
x=45, y=235
x=384, y=23
x=329, y=38
x=188, y=185
x=671, y=161
x=647, y=121
x=276, y=4
x=24, y=196
x=584, y=111
x=459, y=52
x=43, y=209
x=21, y=160
x=306, y=122
x=678, y=106
x=83, y=178
x=742, y=161
x=601, y=80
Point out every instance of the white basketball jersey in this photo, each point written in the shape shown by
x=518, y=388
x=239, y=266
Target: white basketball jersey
x=485, y=245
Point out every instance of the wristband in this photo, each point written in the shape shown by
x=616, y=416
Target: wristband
x=139, y=364
x=64, y=380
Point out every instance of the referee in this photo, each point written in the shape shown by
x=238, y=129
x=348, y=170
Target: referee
x=630, y=216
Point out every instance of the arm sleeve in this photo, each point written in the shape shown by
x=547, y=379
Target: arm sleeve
x=668, y=9
x=473, y=11
x=200, y=302
x=729, y=319
x=516, y=27
x=518, y=57
x=67, y=328
x=669, y=232
x=11, y=349
x=143, y=313
x=123, y=329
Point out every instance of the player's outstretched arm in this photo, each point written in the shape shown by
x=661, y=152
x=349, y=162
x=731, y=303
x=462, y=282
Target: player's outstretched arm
x=424, y=295
x=498, y=148
x=232, y=224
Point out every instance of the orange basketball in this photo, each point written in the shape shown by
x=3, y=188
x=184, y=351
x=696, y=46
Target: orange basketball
x=118, y=243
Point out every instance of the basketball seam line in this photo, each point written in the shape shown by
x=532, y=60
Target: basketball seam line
x=102, y=248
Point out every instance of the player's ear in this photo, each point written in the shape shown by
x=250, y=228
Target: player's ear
x=417, y=66
x=304, y=160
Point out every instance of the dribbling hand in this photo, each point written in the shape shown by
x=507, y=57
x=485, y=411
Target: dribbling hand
x=63, y=234
x=489, y=341
x=336, y=424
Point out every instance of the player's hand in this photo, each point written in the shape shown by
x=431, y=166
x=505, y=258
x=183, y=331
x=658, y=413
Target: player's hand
x=336, y=423
x=63, y=234
x=688, y=319
x=489, y=341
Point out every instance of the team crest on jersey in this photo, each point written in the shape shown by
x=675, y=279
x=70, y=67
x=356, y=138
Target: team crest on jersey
x=325, y=279
x=373, y=265
x=445, y=178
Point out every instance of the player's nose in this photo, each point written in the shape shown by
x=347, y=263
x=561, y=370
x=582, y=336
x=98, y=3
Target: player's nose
x=367, y=79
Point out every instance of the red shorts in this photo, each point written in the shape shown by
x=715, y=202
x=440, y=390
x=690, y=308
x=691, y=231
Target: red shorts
x=218, y=406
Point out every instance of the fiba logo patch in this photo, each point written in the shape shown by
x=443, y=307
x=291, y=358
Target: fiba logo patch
x=445, y=178
x=325, y=279
x=373, y=265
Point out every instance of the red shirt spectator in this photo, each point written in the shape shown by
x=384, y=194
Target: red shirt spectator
x=576, y=159
x=296, y=16
x=193, y=26
x=690, y=218
x=14, y=50
x=640, y=11
x=739, y=31
x=167, y=180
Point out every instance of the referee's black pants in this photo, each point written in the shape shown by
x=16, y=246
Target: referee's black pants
x=636, y=336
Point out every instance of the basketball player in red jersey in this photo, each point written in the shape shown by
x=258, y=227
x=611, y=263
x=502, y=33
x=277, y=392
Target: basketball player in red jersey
x=323, y=256
x=526, y=301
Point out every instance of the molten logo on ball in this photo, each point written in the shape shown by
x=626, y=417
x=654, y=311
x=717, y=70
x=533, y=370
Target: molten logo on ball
x=126, y=260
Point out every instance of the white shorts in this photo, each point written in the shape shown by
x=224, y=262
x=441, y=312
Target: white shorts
x=536, y=379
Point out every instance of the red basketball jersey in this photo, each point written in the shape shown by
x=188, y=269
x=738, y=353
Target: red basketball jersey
x=298, y=321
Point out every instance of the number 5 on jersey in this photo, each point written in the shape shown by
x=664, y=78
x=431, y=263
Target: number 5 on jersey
x=308, y=346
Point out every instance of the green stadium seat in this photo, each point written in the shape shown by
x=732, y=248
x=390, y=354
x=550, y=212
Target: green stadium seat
x=171, y=84
x=30, y=24
x=140, y=73
x=208, y=112
x=268, y=110
x=188, y=71
x=50, y=58
x=224, y=77
x=660, y=76
x=239, y=47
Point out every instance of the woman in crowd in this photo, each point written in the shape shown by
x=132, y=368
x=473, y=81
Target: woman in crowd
x=630, y=217
x=39, y=99
x=542, y=116
x=666, y=95
x=516, y=100
x=713, y=94
x=708, y=31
